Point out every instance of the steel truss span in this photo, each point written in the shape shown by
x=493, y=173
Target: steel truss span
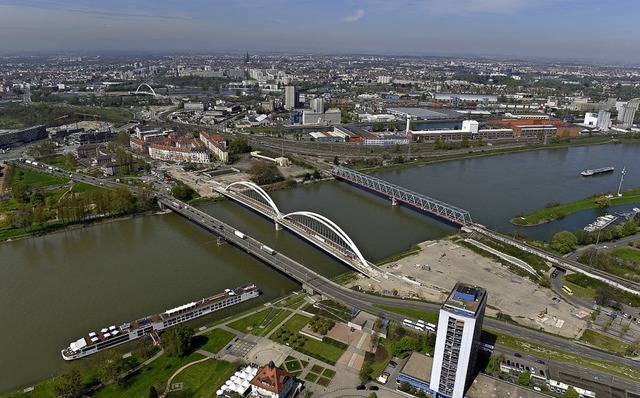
x=397, y=193
x=327, y=232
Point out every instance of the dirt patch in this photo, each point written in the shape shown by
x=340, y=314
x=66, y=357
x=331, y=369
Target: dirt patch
x=523, y=300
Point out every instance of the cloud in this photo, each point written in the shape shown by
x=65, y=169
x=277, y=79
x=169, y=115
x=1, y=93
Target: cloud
x=356, y=16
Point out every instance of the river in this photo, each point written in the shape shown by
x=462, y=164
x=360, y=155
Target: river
x=56, y=288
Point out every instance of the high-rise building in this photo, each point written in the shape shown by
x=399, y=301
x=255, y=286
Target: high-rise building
x=317, y=105
x=290, y=97
x=458, y=332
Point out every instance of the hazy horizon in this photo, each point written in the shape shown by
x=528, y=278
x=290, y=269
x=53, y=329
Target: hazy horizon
x=570, y=30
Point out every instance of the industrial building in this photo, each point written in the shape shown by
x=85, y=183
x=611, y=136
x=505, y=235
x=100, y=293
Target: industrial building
x=22, y=136
x=458, y=338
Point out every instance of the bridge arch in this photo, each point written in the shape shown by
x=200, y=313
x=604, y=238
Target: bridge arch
x=261, y=192
x=144, y=92
x=333, y=228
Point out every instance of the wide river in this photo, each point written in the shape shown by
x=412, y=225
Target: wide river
x=56, y=288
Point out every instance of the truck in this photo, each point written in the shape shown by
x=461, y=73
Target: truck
x=267, y=249
x=240, y=235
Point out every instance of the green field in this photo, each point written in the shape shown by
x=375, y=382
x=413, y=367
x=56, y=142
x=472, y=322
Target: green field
x=627, y=253
x=429, y=317
x=216, y=340
x=260, y=323
x=603, y=341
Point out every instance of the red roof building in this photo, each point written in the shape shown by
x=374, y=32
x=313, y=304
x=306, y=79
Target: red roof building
x=272, y=382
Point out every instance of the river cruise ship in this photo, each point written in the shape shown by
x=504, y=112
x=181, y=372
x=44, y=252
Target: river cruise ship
x=111, y=336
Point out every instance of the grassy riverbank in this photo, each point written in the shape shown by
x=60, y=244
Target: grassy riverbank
x=559, y=211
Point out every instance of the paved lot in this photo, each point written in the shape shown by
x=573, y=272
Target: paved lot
x=510, y=294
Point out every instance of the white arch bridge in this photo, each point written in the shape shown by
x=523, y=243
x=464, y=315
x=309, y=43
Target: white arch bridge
x=313, y=227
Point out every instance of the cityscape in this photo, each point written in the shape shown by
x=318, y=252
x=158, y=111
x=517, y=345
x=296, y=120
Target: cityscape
x=243, y=217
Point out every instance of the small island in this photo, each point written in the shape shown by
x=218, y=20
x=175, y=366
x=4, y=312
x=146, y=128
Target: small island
x=556, y=210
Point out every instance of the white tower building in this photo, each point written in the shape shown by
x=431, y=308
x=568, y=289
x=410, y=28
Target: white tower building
x=290, y=99
x=458, y=332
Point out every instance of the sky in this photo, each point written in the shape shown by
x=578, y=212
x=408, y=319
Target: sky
x=604, y=30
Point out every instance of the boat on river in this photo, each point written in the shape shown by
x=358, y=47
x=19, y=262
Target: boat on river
x=152, y=325
x=600, y=222
x=601, y=170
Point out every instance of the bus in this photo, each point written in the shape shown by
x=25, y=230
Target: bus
x=567, y=290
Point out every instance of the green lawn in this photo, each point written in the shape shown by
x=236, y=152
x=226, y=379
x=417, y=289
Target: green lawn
x=579, y=291
x=566, y=356
x=312, y=377
x=205, y=378
x=288, y=334
x=604, y=341
x=429, y=317
x=41, y=390
x=627, y=253
x=155, y=374
x=382, y=357
x=38, y=179
x=216, y=340
x=269, y=318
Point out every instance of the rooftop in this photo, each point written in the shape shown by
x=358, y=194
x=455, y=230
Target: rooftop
x=465, y=298
x=418, y=366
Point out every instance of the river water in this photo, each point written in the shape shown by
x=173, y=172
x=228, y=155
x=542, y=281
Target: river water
x=56, y=288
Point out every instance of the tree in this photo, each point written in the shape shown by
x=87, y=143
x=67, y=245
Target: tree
x=69, y=383
x=365, y=371
x=239, y=145
x=563, y=242
x=121, y=200
x=571, y=393
x=110, y=366
x=177, y=340
x=524, y=378
x=373, y=395
x=264, y=173
x=20, y=192
x=183, y=192
x=153, y=393
x=603, y=201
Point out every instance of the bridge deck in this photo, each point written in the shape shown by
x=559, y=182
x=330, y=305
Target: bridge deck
x=443, y=211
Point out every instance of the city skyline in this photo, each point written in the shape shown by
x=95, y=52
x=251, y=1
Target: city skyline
x=553, y=29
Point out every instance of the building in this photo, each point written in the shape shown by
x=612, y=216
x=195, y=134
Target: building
x=290, y=98
x=627, y=112
x=601, y=120
x=272, y=382
x=531, y=128
x=417, y=371
x=459, y=327
x=317, y=105
x=17, y=137
x=216, y=144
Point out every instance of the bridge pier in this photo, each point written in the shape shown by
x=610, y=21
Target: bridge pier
x=394, y=201
x=161, y=205
x=278, y=226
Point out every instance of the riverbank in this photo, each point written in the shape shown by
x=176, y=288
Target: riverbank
x=558, y=211
x=492, y=150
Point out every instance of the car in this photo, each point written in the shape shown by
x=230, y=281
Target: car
x=393, y=364
x=374, y=388
x=540, y=361
x=517, y=355
x=360, y=387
